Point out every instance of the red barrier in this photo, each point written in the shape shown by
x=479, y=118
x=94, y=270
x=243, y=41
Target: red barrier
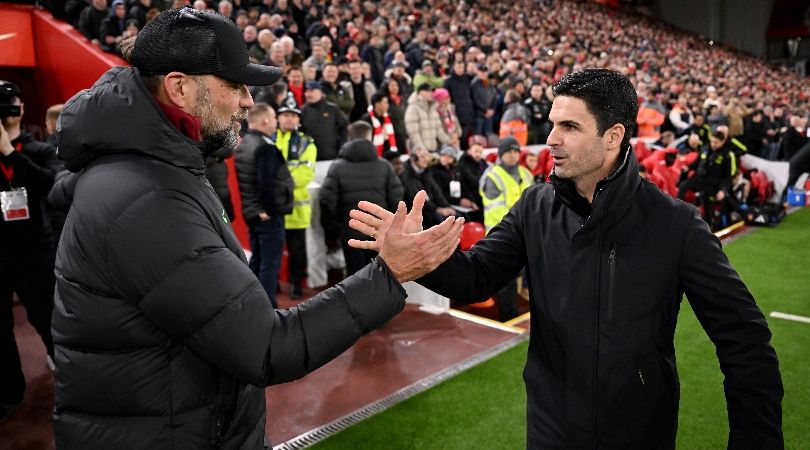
x=239, y=226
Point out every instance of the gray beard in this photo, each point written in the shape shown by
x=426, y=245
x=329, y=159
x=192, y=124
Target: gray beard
x=218, y=133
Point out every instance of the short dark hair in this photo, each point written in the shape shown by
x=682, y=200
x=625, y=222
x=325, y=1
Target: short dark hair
x=377, y=97
x=359, y=130
x=608, y=95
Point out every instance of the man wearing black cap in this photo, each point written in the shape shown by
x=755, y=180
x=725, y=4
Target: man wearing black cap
x=27, y=170
x=324, y=121
x=164, y=337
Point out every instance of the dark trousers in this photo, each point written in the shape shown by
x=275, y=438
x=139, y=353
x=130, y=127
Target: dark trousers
x=29, y=273
x=356, y=258
x=507, y=301
x=707, y=191
x=266, y=245
x=297, y=255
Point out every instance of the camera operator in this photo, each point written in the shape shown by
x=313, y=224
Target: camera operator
x=27, y=169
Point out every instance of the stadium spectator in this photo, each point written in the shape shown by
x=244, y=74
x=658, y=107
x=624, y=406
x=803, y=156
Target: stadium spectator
x=582, y=253
x=266, y=189
x=416, y=177
x=295, y=83
x=383, y=136
x=539, y=106
x=362, y=90
x=323, y=120
x=91, y=18
x=358, y=174
x=112, y=27
x=681, y=117
x=139, y=10
x=276, y=56
x=426, y=75
x=484, y=98
x=181, y=307
x=337, y=91
x=447, y=113
x=396, y=110
x=754, y=134
x=401, y=76
x=373, y=53
x=458, y=85
x=318, y=57
x=422, y=121
x=27, y=170
x=448, y=178
x=260, y=53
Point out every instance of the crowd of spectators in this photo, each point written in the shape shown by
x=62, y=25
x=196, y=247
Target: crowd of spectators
x=434, y=76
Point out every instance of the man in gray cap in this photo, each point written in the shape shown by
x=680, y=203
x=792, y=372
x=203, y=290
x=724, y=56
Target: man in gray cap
x=164, y=338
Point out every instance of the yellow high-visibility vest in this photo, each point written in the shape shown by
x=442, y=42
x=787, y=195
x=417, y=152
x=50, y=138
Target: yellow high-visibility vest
x=495, y=209
x=302, y=170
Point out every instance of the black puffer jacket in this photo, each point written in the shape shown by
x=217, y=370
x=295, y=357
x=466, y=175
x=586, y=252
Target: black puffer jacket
x=164, y=337
x=606, y=285
x=357, y=175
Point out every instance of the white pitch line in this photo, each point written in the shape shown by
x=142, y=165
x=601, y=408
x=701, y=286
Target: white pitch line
x=793, y=317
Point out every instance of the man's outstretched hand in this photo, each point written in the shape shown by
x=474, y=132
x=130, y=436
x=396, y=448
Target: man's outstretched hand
x=409, y=251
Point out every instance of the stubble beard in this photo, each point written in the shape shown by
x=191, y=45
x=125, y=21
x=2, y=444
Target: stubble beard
x=586, y=164
x=219, y=133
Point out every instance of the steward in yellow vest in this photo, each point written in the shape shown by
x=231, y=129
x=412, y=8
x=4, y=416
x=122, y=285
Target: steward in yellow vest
x=300, y=153
x=502, y=184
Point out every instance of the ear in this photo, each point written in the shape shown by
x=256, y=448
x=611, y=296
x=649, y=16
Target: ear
x=180, y=90
x=613, y=136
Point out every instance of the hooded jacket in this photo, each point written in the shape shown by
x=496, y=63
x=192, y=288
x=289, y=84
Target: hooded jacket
x=357, y=175
x=164, y=337
x=424, y=125
x=606, y=281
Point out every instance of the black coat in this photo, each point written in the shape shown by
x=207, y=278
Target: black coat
x=606, y=285
x=328, y=127
x=357, y=175
x=33, y=167
x=460, y=94
x=471, y=171
x=164, y=337
x=483, y=97
x=265, y=183
x=413, y=182
x=90, y=21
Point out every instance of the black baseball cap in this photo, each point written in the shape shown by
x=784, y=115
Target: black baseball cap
x=198, y=43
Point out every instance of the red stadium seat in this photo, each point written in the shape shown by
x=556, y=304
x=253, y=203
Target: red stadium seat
x=667, y=177
x=641, y=150
x=651, y=161
x=471, y=233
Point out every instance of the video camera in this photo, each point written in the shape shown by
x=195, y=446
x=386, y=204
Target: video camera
x=8, y=91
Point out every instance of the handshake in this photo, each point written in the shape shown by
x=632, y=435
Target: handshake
x=407, y=250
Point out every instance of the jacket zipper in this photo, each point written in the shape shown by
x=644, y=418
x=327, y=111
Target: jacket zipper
x=611, y=280
x=641, y=377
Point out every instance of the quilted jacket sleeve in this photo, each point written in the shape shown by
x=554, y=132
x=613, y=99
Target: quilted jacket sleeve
x=164, y=255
